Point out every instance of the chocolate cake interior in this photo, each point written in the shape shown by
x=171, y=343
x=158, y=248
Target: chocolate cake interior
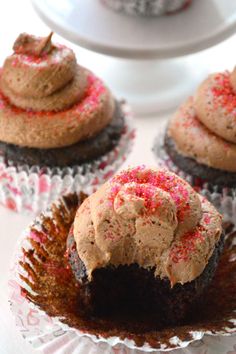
x=136, y=291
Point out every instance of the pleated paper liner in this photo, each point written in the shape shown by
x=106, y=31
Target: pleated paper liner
x=147, y=7
x=31, y=189
x=224, y=200
x=44, y=296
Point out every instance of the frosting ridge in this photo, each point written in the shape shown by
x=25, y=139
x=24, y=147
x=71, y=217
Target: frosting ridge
x=204, y=128
x=41, y=80
x=193, y=139
x=47, y=100
x=215, y=105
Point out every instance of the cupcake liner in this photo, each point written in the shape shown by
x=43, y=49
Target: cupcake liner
x=146, y=7
x=224, y=200
x=48, y=323
x=31, y=189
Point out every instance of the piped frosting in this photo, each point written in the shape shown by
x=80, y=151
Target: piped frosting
x=42, y=80
x=42, y=76
x=204, y=128
x=150, y=217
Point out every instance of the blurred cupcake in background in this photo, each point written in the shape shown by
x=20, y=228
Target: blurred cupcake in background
x=200, y=141
x=61, y=130
x=147, y=7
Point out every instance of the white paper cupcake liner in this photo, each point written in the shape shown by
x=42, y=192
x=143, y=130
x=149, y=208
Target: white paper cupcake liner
x=52, y=336
x=224, y=201
x=146, y=7
x=29, y=189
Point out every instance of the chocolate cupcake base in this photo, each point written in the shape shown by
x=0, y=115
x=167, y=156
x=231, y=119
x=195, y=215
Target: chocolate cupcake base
x=200, y=172
x=135, y=290
x=41, y=278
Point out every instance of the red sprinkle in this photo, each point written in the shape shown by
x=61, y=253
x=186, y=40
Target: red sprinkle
x=93, y=96
x=207, y=219
x=223, y=93
x=160, y=179
x=187, y=245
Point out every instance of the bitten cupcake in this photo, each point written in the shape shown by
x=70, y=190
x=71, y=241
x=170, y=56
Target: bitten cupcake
x=60, y=127
x=200, y=141
x=145, y=243
x=147, y=7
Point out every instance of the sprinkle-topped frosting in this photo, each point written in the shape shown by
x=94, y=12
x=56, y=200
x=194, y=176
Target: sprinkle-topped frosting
x=150, y=217
x=36, y=75
x=215, y=105
x=204, y=128
x=195, y=140
x=41, y=80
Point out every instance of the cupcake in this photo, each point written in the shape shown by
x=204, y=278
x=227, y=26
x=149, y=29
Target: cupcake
x=147, y=7
x=200, y=141
x=60, y=127
x=127, y=268
x=144, y=243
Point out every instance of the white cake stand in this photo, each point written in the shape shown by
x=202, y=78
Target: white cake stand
x=150, y=85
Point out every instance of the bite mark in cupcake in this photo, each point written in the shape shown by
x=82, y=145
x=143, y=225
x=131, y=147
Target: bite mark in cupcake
x=145, y=218
x=145, y=226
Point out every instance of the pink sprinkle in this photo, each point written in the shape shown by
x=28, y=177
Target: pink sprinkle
x=93, y=96
x=187, y=245
x=223, y=93
x=169, y=183
x=15, y=62
x=207, y=219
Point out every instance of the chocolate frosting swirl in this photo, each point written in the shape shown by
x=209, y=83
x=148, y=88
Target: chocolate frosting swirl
x=204, y=127
x=215, y=105
x=47, y=100
x=193, y=139
x=150, y=217
x=42, y=76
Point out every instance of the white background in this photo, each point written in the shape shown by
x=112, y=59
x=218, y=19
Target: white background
x=18, y=16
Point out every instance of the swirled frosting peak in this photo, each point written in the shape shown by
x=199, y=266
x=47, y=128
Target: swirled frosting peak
x=215, y=104
x=47, y=100
x=204, y=127
x=42, y=76
x=32, y=45
x=144, y=216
